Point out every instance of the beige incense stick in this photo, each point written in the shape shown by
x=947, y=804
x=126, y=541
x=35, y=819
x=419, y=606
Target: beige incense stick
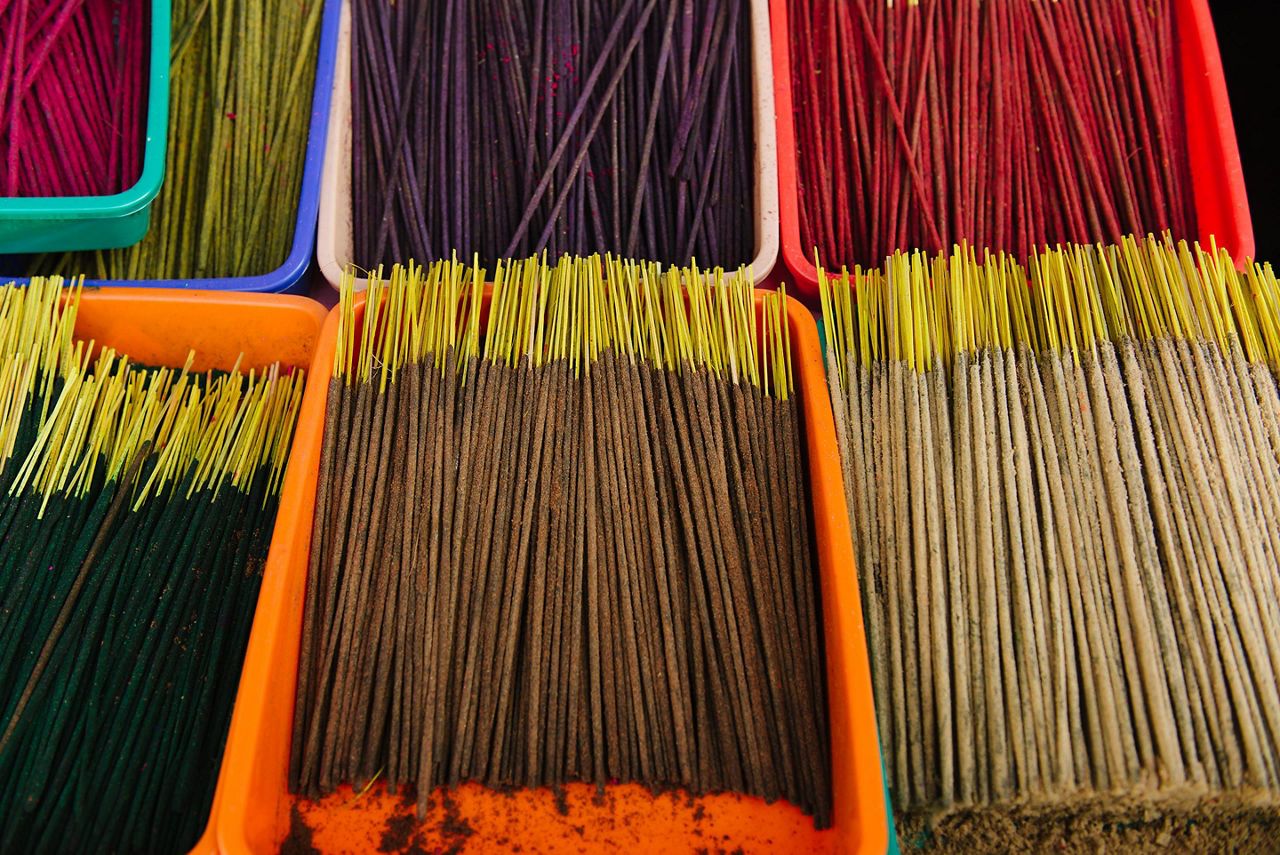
x=1067, y=478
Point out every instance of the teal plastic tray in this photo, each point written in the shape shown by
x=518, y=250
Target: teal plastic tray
x=63, y=223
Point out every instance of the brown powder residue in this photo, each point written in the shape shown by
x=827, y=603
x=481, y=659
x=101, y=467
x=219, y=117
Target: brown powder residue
x=398, y=833
x=454, y=827
x=1089, y=828
x=299, y=840
x=405, y=835
x=562, y=801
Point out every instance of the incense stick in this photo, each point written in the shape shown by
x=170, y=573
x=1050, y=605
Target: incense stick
x=612, y=571
x=1113, y=577
x=1011, y=126
x=138, y=506
x=572, y=126
x=242, y=75
x=73, y=96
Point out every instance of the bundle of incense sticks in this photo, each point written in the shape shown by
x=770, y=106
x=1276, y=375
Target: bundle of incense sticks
x=73, y=96
x=136, y=509
x=574, y=549
x=242, y=76
x=1063, y=483
x=1010, y=125
x=503, y=127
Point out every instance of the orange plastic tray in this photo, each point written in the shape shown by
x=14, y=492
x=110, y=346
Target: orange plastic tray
x=253, y=808
x=159, y=327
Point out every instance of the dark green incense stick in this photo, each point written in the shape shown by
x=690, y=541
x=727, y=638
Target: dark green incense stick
x=137, y=508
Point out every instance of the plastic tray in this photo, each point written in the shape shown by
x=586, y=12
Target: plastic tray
x=334, y=246
x=159, y=327
x=253, y=805
x=1217, y=179
x=60, y=223
x=289, y=277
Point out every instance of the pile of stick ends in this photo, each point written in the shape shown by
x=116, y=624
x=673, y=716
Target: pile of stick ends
x=574, y=548
x=1063, y=482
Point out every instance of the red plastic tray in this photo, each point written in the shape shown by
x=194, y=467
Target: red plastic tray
x=1217, y=179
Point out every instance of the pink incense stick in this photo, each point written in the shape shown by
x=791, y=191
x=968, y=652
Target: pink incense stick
x=73, y=96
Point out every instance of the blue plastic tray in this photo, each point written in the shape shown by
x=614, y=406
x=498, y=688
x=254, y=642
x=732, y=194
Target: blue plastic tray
x=290, y=277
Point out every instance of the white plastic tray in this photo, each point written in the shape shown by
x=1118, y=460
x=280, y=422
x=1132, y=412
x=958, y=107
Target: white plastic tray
x=334, y=241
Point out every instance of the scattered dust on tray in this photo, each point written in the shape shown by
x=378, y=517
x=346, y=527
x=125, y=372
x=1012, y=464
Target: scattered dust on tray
x=405, y=835
x=398, y=833
x=299, y=840
x=453, y=826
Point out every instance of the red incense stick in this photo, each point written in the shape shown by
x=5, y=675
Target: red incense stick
x=1007, y=125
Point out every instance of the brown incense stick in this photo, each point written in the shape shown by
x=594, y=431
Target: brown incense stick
x=579, y=554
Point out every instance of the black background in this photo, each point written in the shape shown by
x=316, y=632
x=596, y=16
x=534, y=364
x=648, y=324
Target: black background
x=1250, y=45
